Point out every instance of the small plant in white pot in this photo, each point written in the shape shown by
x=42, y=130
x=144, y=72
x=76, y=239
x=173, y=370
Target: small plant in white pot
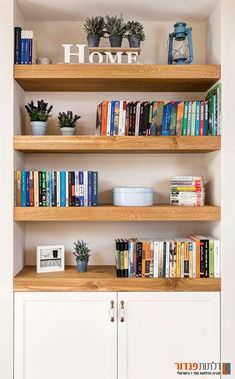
x=135, y=33
x=68, y=123
x=38, y=114
x=94, y=27
x=82, y=254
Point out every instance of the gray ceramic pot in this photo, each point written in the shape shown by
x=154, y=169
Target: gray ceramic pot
x=115, y=41
x=93, y=40
x=67, y=131
x=134, y=40
x=82, y=266
x=39, y=128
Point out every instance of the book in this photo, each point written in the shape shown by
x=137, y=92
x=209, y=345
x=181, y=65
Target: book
x=173, y=118
x=17, y=45
x=185, y=118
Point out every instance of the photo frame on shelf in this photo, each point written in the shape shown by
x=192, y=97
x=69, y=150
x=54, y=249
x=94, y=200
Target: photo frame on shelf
x=50, y=258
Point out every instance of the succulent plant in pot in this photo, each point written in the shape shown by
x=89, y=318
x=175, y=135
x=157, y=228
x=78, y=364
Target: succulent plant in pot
x=115, y=28
x=135, y=33
x=94, y=27
x=38, y=114
x=67, y=123
x=82, y=254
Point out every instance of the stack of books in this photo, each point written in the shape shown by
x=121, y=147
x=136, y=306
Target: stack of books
x=194, y=257
x=187, y=191
x=25, y=46
x=166, y=118
x=56, y=188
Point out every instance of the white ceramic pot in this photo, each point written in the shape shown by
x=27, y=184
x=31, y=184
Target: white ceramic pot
x=39, y=128
x=67, y=131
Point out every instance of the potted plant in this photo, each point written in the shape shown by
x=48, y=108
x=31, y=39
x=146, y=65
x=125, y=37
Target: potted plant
x=38, y=114
x=135, y=33
x=82, y=254
x=115, y=29
x=67, y=123
x=94, y=27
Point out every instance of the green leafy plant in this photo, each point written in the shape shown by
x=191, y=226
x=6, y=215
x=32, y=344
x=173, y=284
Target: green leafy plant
x=81, y=251
x=38, y=112
x=135, y=27
x=94, y=25
x=68, y=120
x=115, y=25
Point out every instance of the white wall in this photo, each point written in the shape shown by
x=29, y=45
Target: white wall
x=6, y=189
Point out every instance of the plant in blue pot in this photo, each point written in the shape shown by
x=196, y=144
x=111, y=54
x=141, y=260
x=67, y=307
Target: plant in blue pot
x=82, y=254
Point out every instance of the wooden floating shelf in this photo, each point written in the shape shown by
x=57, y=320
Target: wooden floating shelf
x=115, y=50
x=116, y=213
x=116, y=144
x=117, y=77
x=103, y=278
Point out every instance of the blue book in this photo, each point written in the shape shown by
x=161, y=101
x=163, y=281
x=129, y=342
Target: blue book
x=26, y=50
x=81, y=188
x=62, y=188
x=166, y=119
x=53, y=197
x=197, y=124
x=113, y=103
x=206, y=119
x=23, y=188
x=30, y=51
x=17, y=42
x=27, y=189
x=95, y=188
x=23, y=47
x=90, y=188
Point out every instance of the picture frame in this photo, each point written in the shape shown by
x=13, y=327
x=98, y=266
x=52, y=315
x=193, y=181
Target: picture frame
x=50, y=258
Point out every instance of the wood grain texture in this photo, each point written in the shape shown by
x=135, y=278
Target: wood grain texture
x=116, y=144
x=115, y=213
x=117, y=78
x=103, y=278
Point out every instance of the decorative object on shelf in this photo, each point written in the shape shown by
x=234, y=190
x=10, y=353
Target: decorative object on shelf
x=115, y=29
x=180, y=45
x=194, y=257
x=133, y=196
x=94, y=27
x=135, y=33
x=50, y=258
x=187, y=191
x=43, y=60
x=82, y=254
x=38, y=114
x=68, y=123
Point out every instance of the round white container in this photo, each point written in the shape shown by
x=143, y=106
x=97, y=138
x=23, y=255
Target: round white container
x=133, y=196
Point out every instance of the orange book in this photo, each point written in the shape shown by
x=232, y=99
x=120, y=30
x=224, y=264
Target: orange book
x=18, y=188
x=143, y=258
x=179, y=121
x=104, y=118
x=147, y=258
x=178, y=254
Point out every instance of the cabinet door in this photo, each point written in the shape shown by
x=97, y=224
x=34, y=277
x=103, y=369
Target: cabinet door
x=161, y=329
x=65, y=336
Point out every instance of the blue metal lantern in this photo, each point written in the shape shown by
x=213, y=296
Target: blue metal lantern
x=180, y=46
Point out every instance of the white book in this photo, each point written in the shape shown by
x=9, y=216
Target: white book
x=156, y=259
x=120, y=120
x=36, y=192
x=167, y=269
x=67, y=188
x=85, y=184
x=194, y=259
x=108, y=118
x=123, y=131
x=58, y=188
x=151, y=268
x=137, y=119
x=217, y=270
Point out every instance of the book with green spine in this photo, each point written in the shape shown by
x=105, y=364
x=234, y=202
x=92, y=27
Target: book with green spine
x=185, y=119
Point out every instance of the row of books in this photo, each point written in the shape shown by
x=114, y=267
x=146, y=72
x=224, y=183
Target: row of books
x=187, y=191
x=24, y=49
x=194, y=257
x=56, y=188
x=166, y=118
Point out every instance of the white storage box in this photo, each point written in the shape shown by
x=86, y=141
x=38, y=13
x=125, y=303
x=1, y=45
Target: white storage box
x=133, y=196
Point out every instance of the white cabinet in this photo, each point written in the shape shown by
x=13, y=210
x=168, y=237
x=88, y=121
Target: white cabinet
x=71, y=335
x=65, y=336
x=160, y=329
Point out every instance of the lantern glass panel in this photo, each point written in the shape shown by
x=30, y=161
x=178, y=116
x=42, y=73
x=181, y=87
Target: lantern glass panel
x=180, y=51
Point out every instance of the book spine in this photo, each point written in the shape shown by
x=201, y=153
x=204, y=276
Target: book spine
x=167, y=266
x=95, y=188
x=155, y=252
x=185, y=118
x=160, y=260
x=182, y=250
x=173, y=117
x=206, y=258
x=214, y=118
x=27, y=189
x=48, y=188
x=143, y=267
x=22, y=48
x=73, y=188
x=137, y=119
x=138, y=259
x=118, y=262
x=40, y=188
x=189, y=118
x=206, y=118
x=124, y=118
x=90, y=188
x=30, y=41
x=23, y=189
x=179, y=122
x=130, y=259
x=193, y=121
x=77, y=201
x=112, y=116
x=202, y=115
x=81, y=188
x=58, y=200
x=85, y=188
x=121, y=258
x=98, y=127
x=202, y=259
x=108, y=127
x=18, y=196
x=31, y=188
x=67, y=188
x=104, y=118
x=44, y=189
x=125, y=274
x=62, y=189
x=211, y=259
x=120, y=118
x=186, y=260
x=217, y=259
x=17, y=42
x=197, y=121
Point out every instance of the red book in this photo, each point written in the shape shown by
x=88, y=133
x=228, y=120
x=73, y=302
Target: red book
x=202, y=117
x=104, y=118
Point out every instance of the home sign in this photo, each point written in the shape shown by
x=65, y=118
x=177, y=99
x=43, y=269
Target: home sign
x=78, y=52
